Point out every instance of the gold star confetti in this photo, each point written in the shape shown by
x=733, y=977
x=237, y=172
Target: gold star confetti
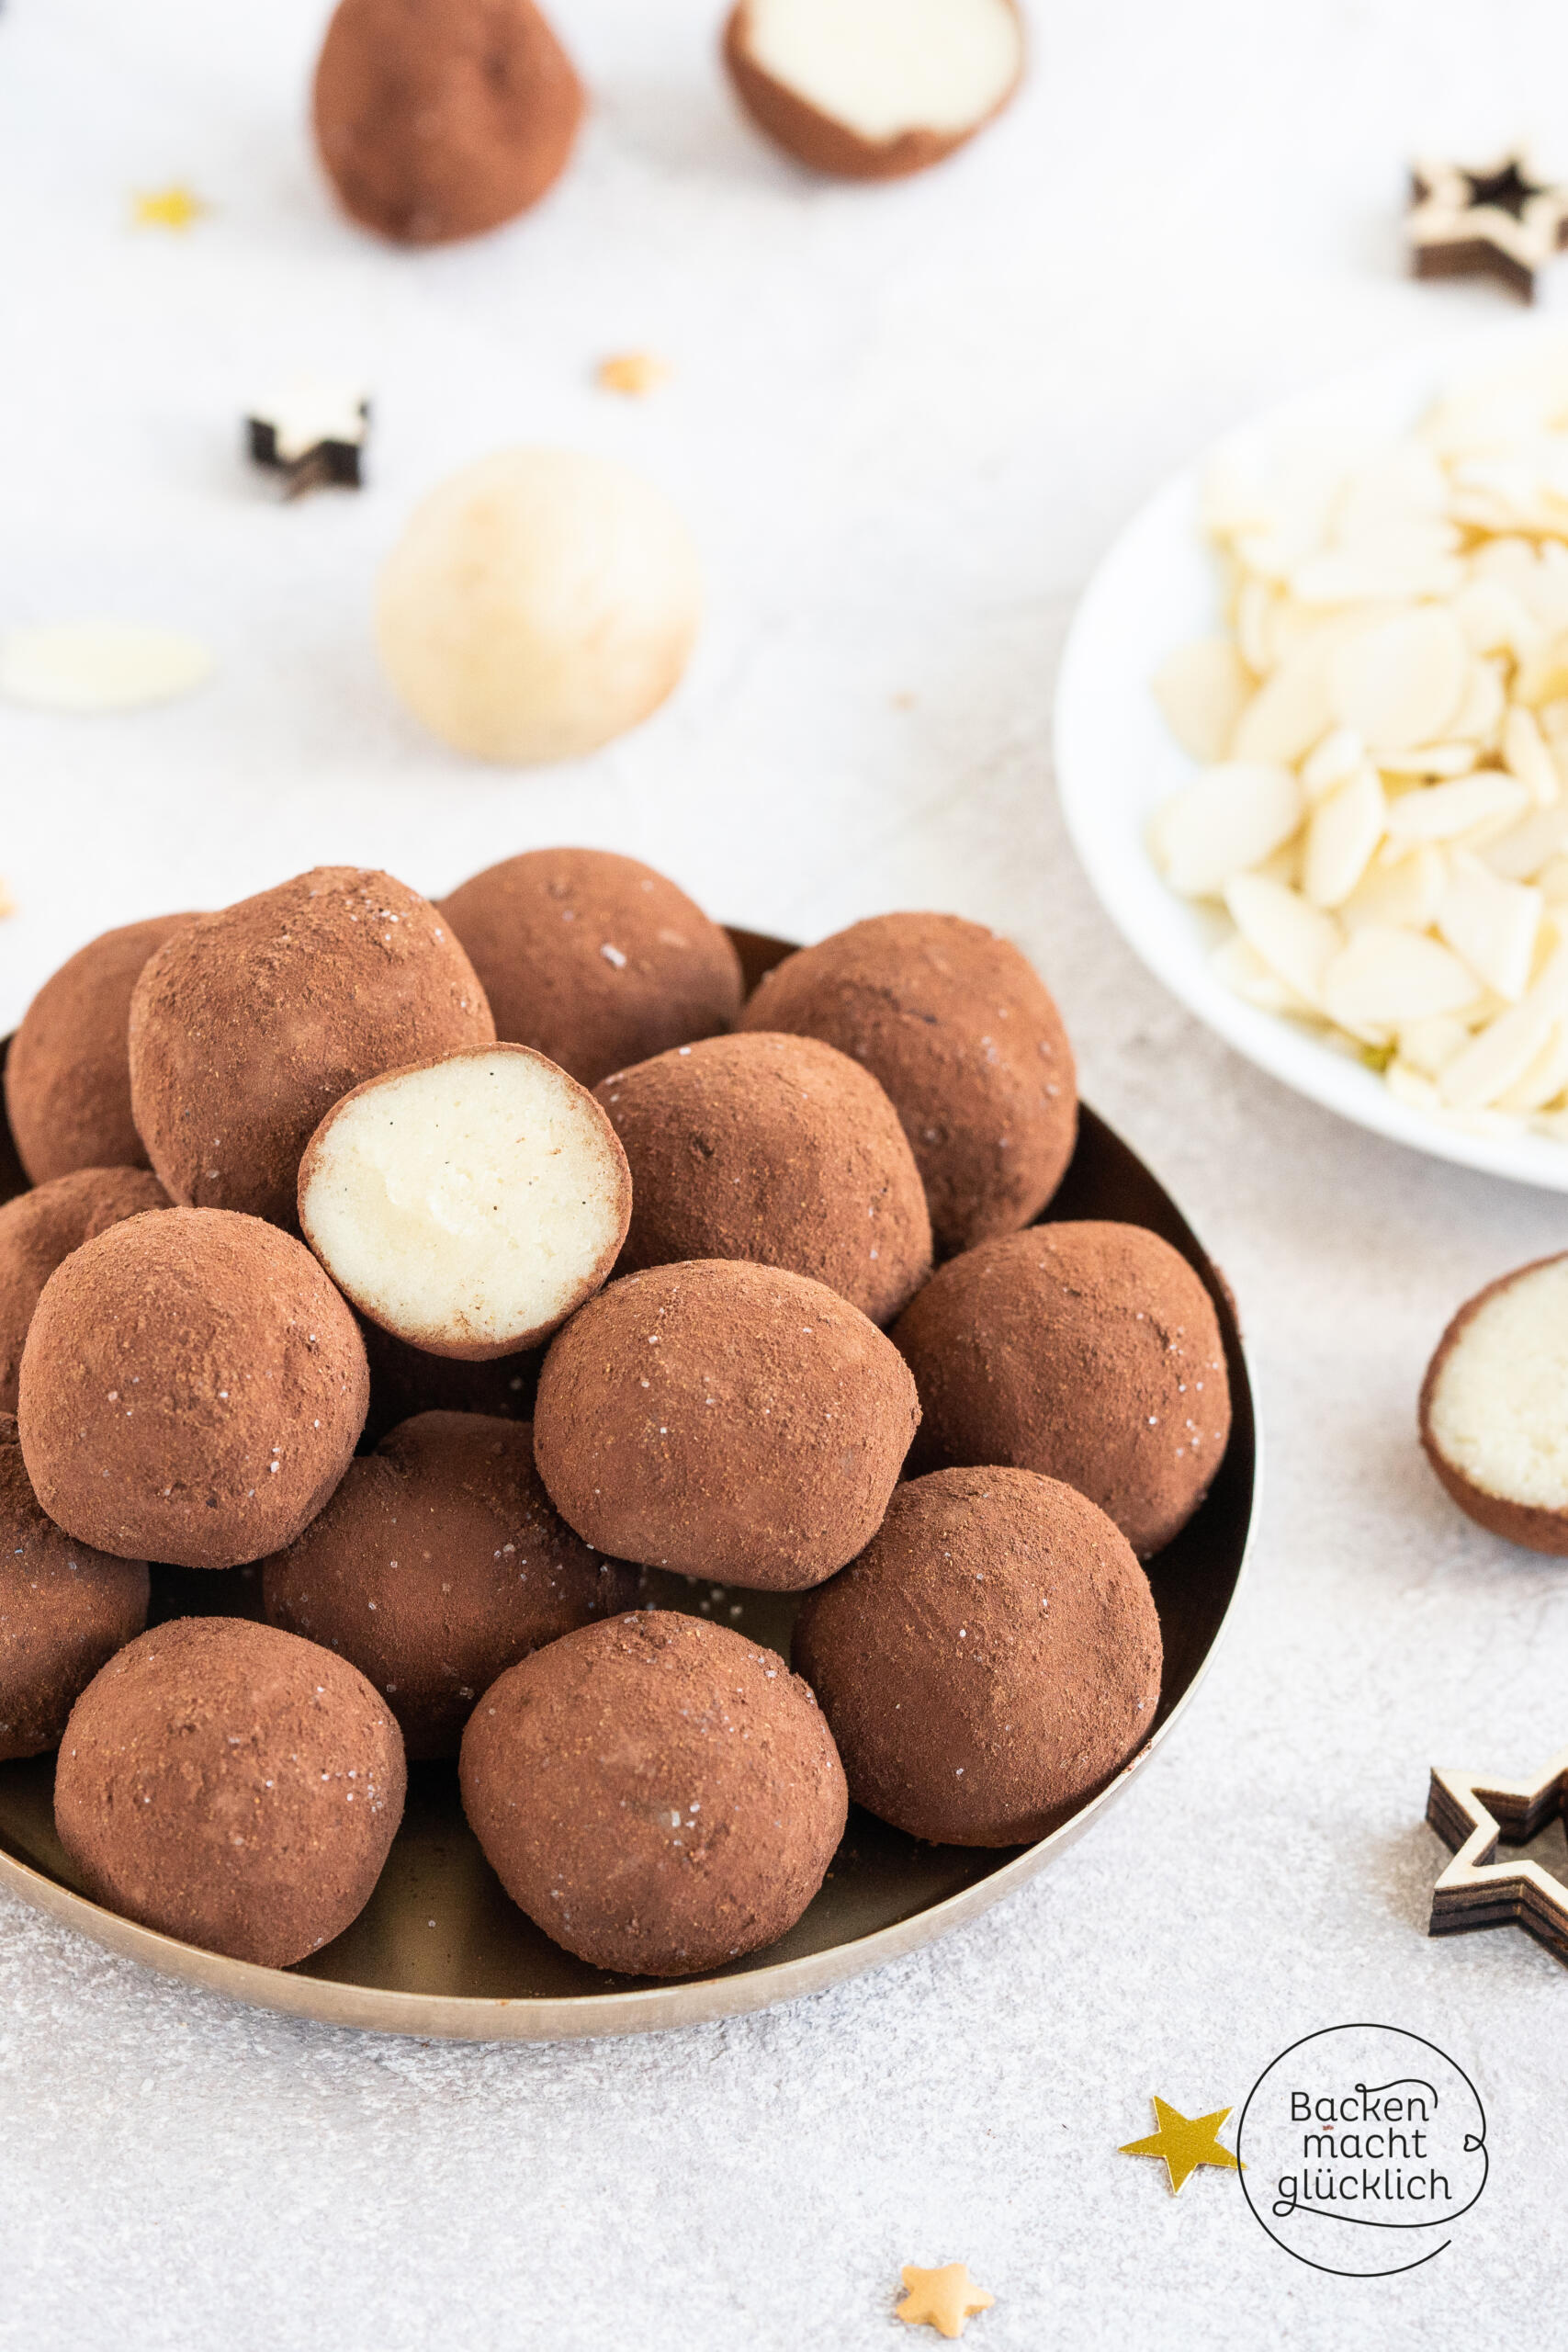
x=167, y=208
x=942, y=2298
x=633, y=373
x=1183, y=2142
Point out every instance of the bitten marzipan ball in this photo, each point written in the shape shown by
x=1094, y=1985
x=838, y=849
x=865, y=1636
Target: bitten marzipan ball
x=958, y=1028
x=192, y=1390
x=439, y=1562
x=467, y=1204
x=723, y=1421
x=658, y=1794
x=873, y=89
x=40, y=1227
x=65, y=1608
x=1089, y=1353
x=539, y=603
x=249, y=1026
x=231, y=1785
x=68, y=1072
x=594, y=959
x=1494, y=1413
x=988, y=1662
x=441, y=118
x=777, y=1150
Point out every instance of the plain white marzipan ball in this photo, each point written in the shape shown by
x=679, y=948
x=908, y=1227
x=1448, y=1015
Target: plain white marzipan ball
x=539, y=603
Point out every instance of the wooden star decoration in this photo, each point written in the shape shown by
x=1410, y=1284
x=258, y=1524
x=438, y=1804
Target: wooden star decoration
x=945, y=2299
x=167, y=208
x=1498, y=221
x=1473, y=1813
x=312, y=434
x=1183, y=2142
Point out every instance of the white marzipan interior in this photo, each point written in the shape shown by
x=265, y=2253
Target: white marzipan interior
x=884, y=66
x=466, y=1205
x=1499, y=1411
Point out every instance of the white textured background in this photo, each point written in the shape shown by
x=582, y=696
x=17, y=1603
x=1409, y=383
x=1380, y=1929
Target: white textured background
x=904, y=423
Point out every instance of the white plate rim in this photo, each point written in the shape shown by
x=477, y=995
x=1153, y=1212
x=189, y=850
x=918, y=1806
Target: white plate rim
x=1103, y=700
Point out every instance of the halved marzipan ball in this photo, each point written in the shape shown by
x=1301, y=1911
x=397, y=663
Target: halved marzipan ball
x=440, y=1562
x=468, y=1205
x=68, y=1072
x=658, y=1793
x=441, y=118
x=405, y=1381
x=871, y=89
x=192, y=1390
x=65, y=1610
x=777, y=1150
x=957, y=1027
x=988, y=1662
x=723, y=1421
x=1493, y=1411
x=249, y=1026
x=40, y=1227
x=231, y=1785
x=594, y=959
x=1090, y=1352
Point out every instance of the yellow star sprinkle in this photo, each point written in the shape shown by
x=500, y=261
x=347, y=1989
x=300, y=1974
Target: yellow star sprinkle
x=942, y=2298
x=165, y=207
x=1183, y=2142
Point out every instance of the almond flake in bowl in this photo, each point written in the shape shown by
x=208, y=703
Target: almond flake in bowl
x=1381, y=810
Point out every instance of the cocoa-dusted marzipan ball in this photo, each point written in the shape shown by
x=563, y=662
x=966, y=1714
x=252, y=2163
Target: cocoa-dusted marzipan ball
x=1090, y=1352
x=439, y=1562
x=658, y=1793
x=1494, y=1413
x=65, y=1610
x=40, y=1227
x=406, y=1381
x=777, y=1150
x=248, y=1026
x=231, y=1785
x=873, y=89
x=468, y=1204
x=723, y=1421
x=68, y=1072
x=988, y=1662
x=441, y=118
x=594, y=959
x=957, y=1026
x=192, y=1390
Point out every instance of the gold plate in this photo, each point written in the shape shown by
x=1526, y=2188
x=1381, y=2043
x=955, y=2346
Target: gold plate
x=440, y=1951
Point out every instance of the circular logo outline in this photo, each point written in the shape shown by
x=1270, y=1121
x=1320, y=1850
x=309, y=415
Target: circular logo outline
x=1365, y=2024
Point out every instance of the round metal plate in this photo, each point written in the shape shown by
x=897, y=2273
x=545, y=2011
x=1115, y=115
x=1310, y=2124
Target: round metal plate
x=440, y=1951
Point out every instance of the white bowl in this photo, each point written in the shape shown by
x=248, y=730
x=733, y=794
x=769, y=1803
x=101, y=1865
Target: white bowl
x=1117, y=760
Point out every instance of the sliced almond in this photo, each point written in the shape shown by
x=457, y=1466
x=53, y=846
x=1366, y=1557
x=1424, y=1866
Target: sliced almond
x=1288, y=714
x=92, y=666
x=1242, y=969
x=1295, y=939
x=1525, y=755
x=1404, y=894
x=1449, y=812
x=1521, y=853
x=1344, y=831
x=1546, y=1078
x=1400, y=682
x=1382, y=980
x=1499, y=1056
x=1339, y=754
x=1225, y=821
x=1202, y=689
x=1430, y=1044
x=1491, y=924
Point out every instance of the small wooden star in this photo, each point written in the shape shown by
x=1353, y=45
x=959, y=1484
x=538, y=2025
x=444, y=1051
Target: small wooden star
x=945, y=2299
x=1473, y=1813
x=1183, y=2142
x=313, y=434
x=1498, y=221
x=633, y=374
x=167, y=208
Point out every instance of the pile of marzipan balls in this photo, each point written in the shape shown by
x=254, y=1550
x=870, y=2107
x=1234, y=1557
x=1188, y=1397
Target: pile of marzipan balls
x=465, y=1263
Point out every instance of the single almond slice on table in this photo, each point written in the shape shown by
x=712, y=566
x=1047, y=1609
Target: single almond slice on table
x=467, y=1205
x=871, y=89
x=1493, y=1411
